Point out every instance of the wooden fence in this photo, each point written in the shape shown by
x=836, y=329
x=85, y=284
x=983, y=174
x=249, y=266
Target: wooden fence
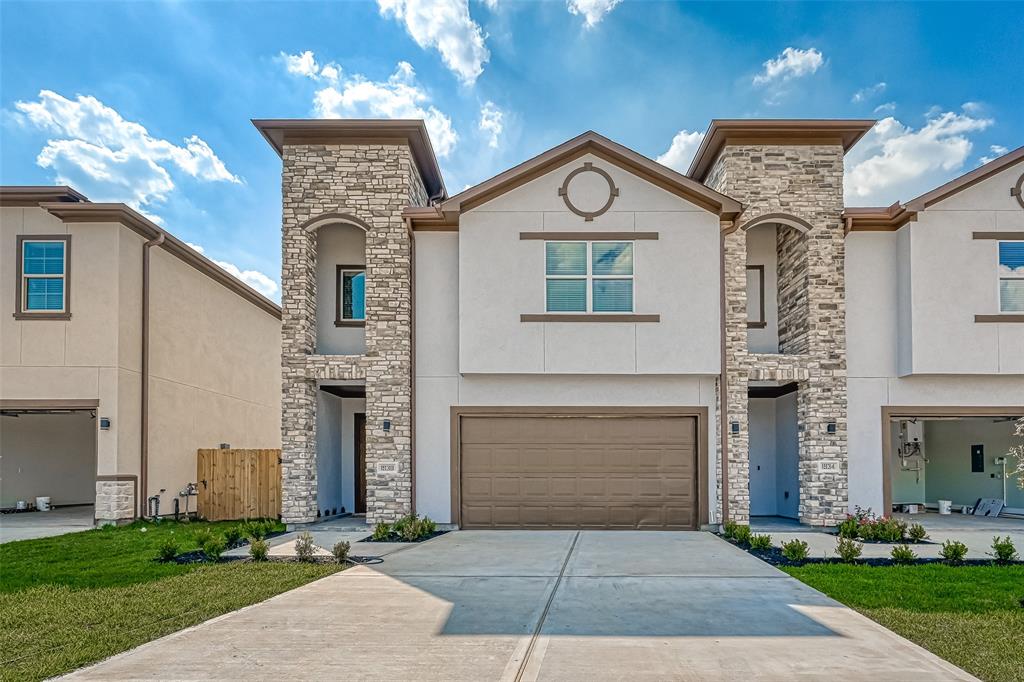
x=239, y=484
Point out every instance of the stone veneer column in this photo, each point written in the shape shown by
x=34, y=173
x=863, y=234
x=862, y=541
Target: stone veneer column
x=373, y=183
x=804, y=181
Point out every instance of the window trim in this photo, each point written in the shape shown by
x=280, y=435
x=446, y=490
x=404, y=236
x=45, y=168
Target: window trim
x=21, y=311
x=589, y=277
x=339, y=321
x=1000, y=278
x=762, y=321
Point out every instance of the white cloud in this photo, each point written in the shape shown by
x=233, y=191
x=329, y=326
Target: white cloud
x=895, y=162
x=400, y=96
x=886, y=108
x=305, y=64
x=995, y=151
x=111, y=159
x=791, y=63
x=593, y=11
x=254, y=278
x=491, y=122
x=446, y=26
x=680, y=153
x=867, y=93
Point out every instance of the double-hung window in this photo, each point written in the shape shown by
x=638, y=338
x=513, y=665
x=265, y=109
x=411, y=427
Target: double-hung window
x=42, y=276
x=1011, y=277
x=351, y=296
x=589, y=276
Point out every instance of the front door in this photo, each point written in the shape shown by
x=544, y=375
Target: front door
x=360, y=462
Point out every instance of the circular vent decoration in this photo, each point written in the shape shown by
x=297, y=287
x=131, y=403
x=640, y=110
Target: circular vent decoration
x=588, y=191
x=1018, y=191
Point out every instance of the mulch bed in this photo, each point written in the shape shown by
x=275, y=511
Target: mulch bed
x=400, y=540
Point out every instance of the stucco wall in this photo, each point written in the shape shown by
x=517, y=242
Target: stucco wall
x=338, y=244
x=502, y=277
x=761, y=250
x=51, y=454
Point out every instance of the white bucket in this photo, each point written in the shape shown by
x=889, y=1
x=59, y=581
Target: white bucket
x=21, y=505
x=43, y=503
x=945, y=506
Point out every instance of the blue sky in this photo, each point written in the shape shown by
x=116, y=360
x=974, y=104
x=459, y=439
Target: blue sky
x=149, y=102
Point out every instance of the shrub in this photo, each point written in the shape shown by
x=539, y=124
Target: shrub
x=233, y=535
x=259, y=550
x=953, y=552
x=202, y=536
x=917, y=533
x=428, y=526
x=761, y=542
x=1003, y=550
x=729, y=529
x=381, y=532
x=848, y=550
x=796, y=550
x=167, y=550
x=848, y=527
x=340, y=551
x=890, y=530
x=742, y=535
x=304, y=546
x=902, y=554
x=214, y=547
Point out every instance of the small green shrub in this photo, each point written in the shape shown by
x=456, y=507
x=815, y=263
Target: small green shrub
x=202, y=536
x=381, y=532
x=761, y=542
x=890, y=530
x=917, y=533
x=848, y=550
x=953, y=552
x=729, y=529
x=259, y=550
x=340, y=551
x=167, y=550
x=848, y=527
x=233, y=535
x=902, y=555
x=796, y=550
x=742, y=535
x=305, y=548
x=214, y=547
x=257, y=529
x=1003, y=550
x=428, y=526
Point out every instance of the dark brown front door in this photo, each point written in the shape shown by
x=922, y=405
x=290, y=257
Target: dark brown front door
x=562, y=471
x=360, y=449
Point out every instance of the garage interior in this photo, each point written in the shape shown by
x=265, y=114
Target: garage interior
x=625, y=470
x=956, y=459
x=47, y=453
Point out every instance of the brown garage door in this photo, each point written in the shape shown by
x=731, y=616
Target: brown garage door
x=570, y=471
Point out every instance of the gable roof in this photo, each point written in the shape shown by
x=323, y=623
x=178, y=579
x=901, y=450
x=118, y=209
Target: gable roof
x=862, y=219
x=282, y=131
x=29, y=195
x=774, y=131
x=446, y=214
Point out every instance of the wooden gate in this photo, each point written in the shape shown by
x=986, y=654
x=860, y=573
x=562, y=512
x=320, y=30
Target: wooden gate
x=239, y=484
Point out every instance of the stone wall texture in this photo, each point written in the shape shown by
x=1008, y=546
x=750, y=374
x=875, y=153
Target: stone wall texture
x=115, y=501
x=806, y=182
x=373, y=183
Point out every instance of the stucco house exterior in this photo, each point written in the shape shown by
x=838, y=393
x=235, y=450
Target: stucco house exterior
x=122, y=351
x=593, y=340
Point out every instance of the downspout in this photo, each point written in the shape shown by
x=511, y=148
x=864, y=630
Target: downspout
x=144, y=406
x=723, y=393
x=412, y=365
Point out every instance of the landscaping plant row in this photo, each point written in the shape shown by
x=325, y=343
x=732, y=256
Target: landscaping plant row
x=848, y=550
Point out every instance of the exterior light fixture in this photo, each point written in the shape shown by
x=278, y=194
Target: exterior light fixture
x=831, y=427
x=105, y=423
x=735, y=427
x=387, y=425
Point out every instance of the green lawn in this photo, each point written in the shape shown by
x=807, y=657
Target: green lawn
x=970, y=615
x=74, y=599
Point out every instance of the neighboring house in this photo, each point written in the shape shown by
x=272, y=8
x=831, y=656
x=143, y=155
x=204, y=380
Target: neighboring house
x=122, y=351
x=586, y=340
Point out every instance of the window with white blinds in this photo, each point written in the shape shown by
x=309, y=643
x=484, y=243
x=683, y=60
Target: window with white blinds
x=589, y=277
x=1011, y=277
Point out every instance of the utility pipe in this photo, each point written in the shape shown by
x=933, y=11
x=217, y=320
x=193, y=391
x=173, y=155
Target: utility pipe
x=144, y=403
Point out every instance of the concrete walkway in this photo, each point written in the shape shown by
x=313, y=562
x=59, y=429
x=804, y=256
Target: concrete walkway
x=534, y=605
x=38, y=524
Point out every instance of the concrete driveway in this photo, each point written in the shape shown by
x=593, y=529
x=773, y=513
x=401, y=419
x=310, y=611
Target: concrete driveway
x=30, y=525
x=532, y=605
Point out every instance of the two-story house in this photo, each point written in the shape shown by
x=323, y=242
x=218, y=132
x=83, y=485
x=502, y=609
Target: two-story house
x=122, y=351
x=593, y=340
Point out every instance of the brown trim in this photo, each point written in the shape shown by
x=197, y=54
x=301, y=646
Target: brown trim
x=57, y=404
x=588, y=167
x=124, y=215
x=891, y=412
x=459, y=411
x=1017, y=191
x=281, y=132
x=359, y=464
x=338, y=320
x=966, y=180
x=776, y=218
x=144, y=374
x=761, y=322
x=845, y=132
x=875, y=219
x=723, y=384
x=122, y=478
x=589, y=317
x=1004, y=317
x=30, y=195
x=412, y=364
x=19, y=312
x=1007, y=236
x=589, y=236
